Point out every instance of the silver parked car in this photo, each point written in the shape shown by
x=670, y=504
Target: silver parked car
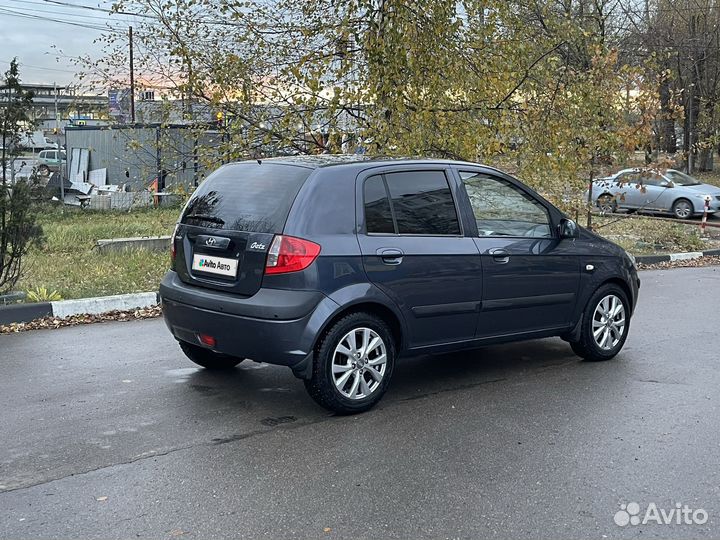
x=646, y=190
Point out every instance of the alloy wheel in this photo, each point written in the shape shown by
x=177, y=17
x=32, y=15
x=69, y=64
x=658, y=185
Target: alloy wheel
x=683, y=210
x=608, y=324
x=606, y=203
x=359, y=363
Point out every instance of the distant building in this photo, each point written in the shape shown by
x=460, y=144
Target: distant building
x=72, y=108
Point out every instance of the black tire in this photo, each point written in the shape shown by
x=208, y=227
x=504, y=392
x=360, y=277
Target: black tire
x=679, y=206
x=586, y=347
x=607, y=203
x=321, y=386
x=207, y=358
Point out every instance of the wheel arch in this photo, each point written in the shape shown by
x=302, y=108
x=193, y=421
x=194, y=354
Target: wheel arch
x=574, y=333
x=375, y=308
x=623, y=285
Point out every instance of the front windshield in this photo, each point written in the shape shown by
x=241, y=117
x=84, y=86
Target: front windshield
x=681, y=179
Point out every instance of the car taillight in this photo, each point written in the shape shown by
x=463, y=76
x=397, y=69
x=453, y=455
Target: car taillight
x=290, y=254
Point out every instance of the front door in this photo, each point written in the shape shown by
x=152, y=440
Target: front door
x=655, y=193
x=414, y=250
x=530, y=276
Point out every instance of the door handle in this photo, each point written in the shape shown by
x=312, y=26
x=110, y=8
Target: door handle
x=390, y=255
x=500, y=255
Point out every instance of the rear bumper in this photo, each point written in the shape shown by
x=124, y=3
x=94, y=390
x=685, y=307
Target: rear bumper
x=273, y=326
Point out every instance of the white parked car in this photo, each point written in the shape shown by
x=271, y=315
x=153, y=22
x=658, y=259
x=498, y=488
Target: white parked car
x=645, y=190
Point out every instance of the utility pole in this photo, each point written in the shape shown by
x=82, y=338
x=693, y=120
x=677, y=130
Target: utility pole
x=132, y=79
x=59, y=149
x=57, y=119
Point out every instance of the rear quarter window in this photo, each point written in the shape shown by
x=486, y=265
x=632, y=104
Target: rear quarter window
x=378, y=216
x=246, y=197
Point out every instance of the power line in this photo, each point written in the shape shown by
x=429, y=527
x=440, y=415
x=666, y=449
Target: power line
x=20, y=14
x=45, y=11
x=217, y=22
x=93, y=8
x=38, y=67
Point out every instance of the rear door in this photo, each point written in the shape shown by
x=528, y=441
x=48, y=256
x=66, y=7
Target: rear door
x=629, y=191
x=227, y=226
x=413, y=249
x=530, y=276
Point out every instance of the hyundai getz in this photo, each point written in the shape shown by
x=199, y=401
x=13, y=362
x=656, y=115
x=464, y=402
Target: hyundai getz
x=336, y=266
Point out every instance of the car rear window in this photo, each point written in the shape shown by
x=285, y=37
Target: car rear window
x=248, y=196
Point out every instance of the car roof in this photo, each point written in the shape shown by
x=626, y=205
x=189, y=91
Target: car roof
x=335, y=160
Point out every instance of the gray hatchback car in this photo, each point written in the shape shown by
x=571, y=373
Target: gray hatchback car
x=336, y=266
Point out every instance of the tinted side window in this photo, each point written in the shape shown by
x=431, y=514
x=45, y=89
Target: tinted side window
x=628, y=178
x=501, y=209
x=422, y=203
x=378, y=216
x=651, y=179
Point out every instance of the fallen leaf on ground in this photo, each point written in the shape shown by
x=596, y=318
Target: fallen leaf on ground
x=74, y=320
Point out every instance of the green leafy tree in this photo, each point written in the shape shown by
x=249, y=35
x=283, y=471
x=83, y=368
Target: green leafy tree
x=18, y=226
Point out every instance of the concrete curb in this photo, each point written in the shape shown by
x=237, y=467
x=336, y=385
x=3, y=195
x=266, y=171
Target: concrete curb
x=15, y=313
x=103, y=304
x=152, y=243
x=654, y=259
x=18, y=313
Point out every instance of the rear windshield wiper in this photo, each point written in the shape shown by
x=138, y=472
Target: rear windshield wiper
x=206, y=217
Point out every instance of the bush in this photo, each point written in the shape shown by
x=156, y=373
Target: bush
x=19, y=230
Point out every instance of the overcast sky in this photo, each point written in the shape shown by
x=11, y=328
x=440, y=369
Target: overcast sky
x=30, y=28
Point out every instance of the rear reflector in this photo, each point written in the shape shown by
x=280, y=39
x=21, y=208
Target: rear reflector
x=173, y=251
x=206, y=340
x=290, y=254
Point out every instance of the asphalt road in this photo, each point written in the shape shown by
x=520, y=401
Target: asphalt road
x=106, y=431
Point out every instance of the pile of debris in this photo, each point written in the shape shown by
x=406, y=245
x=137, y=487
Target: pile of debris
x=91, y=190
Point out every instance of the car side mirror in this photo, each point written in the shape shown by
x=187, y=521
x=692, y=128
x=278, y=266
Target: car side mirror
x=568, y=228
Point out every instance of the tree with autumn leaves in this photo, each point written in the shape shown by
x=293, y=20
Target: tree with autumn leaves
x=535, y=87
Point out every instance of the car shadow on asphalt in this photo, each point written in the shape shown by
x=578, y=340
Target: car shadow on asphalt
x=275, y=389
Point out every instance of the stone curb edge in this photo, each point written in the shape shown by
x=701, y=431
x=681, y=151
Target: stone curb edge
x=654, y=259
x=19, y=313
